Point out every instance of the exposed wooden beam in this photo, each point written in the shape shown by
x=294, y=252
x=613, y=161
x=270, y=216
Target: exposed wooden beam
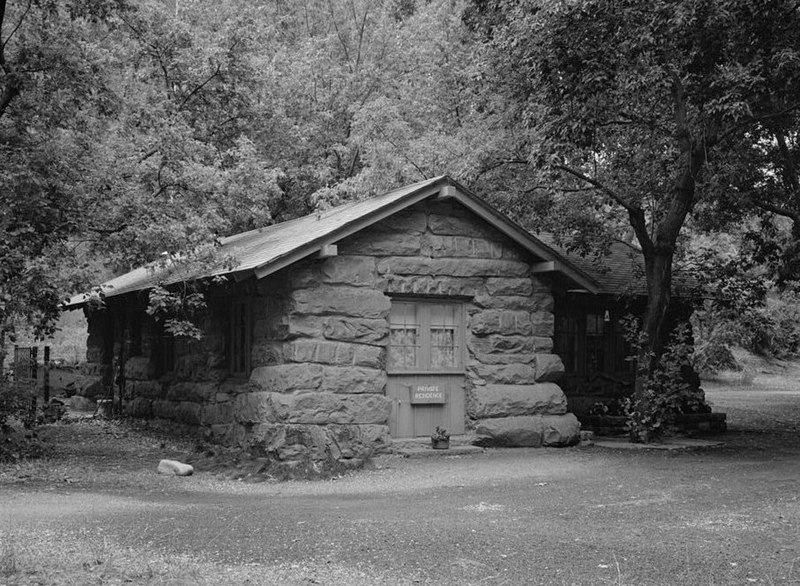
x=549, y=266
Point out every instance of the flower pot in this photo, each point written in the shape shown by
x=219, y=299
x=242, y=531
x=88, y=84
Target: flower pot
x=440, y=444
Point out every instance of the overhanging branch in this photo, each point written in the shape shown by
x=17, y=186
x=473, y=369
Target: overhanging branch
x=601, y=186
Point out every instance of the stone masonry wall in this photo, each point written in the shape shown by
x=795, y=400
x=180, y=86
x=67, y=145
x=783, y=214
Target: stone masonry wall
x=317, y=388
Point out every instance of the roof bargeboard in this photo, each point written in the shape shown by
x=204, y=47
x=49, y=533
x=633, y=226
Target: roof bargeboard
x=264, y=251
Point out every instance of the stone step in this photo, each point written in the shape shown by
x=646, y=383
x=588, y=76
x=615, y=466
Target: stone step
x=421, y=447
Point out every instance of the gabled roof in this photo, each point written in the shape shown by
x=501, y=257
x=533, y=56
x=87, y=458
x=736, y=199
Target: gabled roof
x=266, y=250
x=620, y=272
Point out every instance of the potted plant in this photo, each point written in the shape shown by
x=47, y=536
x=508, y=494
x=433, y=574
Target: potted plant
x=440, y=439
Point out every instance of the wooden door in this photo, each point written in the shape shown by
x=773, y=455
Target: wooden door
x=426, y=367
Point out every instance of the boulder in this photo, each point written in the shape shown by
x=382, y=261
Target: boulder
x=174, y=468
x=514, y=400
x=522, y=431
x=529, y=431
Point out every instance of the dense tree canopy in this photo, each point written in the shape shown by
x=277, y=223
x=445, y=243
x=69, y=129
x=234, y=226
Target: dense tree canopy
x=131, y=129
x=636, y=111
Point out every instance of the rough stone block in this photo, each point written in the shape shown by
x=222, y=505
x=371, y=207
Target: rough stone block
x=334, y=353
x=513, y=400
x=450, y=225
x=140, y=368
x=357, y=271
x=351, y=301
x=353, y=329
x=254, y=407
x=561, y=430
x=196, y=392
x=302, y=325
x=431, y=285
x=496, y=349
x=353, y=380
x=522, y=431
x=217, y=413
x=460, y=246
x=287, y=378
x=542, y=344
x=505, y=286
x=381, y=243
x=327, y=408
x=451, y=267
x=549, y=367
x=543, y=323
x=505, y=302
x=506, y=323
x=505, y=374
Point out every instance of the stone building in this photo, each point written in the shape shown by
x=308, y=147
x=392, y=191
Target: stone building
x=335, y=333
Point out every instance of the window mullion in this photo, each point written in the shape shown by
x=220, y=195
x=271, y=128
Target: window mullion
x=424, y=318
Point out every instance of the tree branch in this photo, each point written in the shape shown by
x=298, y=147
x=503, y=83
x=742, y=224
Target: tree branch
x=14, y=30
x=601, y=186
x=778, y=210
x=198, y=88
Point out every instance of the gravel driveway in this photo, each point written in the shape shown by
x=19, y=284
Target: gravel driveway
x=98, y=513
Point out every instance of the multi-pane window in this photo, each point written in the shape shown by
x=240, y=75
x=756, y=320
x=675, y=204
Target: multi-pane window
x=425, y=336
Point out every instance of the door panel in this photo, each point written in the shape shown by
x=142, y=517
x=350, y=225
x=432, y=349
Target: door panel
x=409, y=419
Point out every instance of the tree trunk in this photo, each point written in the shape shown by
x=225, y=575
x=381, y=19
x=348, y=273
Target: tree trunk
x=654, y=334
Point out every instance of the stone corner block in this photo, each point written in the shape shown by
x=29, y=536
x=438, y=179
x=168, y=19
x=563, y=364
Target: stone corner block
x=549, y=368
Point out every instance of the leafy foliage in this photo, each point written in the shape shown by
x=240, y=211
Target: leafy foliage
x=666, y=392
x=626, y=105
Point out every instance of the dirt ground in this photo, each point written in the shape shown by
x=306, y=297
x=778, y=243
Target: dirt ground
x=95, y=511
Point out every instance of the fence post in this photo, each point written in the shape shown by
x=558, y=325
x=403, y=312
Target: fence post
x=46, y=375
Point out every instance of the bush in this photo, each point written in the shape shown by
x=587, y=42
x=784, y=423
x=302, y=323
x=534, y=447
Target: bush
x=16, y=402
x=668, y=392
x=771, y=330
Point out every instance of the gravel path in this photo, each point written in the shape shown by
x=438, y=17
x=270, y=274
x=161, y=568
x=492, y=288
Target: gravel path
x=98, y=513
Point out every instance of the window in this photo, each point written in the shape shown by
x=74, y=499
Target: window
x=239, y=337
x=589, y=340
x=425, y=337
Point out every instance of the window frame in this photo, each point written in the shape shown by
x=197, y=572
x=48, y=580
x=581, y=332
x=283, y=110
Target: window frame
x=424, y=320
x=239, y=336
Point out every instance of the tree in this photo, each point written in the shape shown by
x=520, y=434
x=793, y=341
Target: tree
x=625, y=105
x=50, y=89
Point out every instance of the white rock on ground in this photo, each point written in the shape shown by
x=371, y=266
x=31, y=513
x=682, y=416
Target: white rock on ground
x=174, y=468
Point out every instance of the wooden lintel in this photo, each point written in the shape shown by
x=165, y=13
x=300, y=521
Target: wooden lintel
x=549, y=266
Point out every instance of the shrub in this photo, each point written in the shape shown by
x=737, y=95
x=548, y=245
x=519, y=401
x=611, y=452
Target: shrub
x=16, y=401
x=667, y=392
